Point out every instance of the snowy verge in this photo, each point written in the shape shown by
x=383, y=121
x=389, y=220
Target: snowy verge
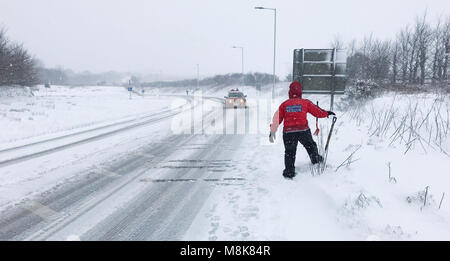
x=62, y=110
x=375, y=187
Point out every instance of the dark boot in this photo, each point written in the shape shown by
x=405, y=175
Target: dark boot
x=315, y=159
x=289, y=174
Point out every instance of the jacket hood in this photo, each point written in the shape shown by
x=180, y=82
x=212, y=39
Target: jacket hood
x=295, y=90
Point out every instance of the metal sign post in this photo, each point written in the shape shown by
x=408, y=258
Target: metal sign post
x=333, y=79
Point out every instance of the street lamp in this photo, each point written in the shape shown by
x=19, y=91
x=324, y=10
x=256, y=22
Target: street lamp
x=242, y=52
x=198, y=76
x=201, y=97
x=274, y=43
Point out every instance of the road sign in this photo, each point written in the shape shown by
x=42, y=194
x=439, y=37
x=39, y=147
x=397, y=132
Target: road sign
x=321, y=71
x=130, y=89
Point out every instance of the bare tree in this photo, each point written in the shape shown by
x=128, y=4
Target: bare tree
x=395, y=61
x=366, y=49
x=417, y=54
x=380, y=60
x=351, y=49
x=423, y=35
x=403, y=39
x=439, y=45
x=4, y=57
x=337, y=42
x=446, y=39
x=17, y=66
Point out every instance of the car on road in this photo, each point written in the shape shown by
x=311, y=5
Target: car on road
x=235, y=99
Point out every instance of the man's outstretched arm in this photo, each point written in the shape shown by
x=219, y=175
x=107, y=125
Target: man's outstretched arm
x=318, y=112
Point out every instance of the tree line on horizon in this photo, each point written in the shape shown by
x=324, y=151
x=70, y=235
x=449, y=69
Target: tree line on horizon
x=419, y=54
x=248, y=79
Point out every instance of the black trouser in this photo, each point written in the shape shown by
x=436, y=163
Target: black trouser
x=291, y=140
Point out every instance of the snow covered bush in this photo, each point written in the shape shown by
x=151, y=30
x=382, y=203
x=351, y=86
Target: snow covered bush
x=356, y=96
x=16, y=91
x=362, y=89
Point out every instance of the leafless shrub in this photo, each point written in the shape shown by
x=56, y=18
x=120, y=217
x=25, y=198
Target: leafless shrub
x=442, y=199
x=349, y=160
x=362, y=201
x=317, y=169
x=391, y=178
x=422, y=198
x=418, y=124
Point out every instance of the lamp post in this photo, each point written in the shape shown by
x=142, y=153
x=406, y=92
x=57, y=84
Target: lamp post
x=202, y=94
x=274, y=43
x=242, y=53
x=198, y=76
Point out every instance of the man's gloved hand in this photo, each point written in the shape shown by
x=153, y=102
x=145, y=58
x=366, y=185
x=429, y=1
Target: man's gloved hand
x=331, y=113
x=272, y=137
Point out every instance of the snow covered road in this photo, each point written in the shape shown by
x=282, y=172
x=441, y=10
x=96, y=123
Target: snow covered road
x=115, y=182
x=151, y=195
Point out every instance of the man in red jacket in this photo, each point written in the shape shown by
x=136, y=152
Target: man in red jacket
x=296, y=129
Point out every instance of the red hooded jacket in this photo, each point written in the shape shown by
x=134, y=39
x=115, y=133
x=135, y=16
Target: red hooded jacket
x=294, y=110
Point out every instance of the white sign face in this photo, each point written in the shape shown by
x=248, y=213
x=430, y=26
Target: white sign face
x=320, y=70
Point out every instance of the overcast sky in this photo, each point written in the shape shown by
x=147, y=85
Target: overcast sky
x=172, y=36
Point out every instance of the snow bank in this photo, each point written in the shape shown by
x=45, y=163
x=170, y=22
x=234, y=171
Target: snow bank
x=15, y=91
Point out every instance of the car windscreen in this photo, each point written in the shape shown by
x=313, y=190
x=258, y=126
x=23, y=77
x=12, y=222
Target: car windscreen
x=235, y=94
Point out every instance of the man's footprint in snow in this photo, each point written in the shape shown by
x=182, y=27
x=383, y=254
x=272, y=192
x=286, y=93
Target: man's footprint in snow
x=241, y=233
x=249, y=212
x=251, y=168
x=234, y=199
x=214, y=228
x=263, y=191
x=211, y=212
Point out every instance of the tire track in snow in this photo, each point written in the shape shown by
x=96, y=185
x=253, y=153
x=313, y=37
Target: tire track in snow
x=18, y=221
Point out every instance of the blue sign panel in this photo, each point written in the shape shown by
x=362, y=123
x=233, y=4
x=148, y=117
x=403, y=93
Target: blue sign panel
x=295, y=108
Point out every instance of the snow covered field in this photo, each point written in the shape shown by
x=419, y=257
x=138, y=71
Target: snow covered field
x=61, y=108
x=123, y=174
